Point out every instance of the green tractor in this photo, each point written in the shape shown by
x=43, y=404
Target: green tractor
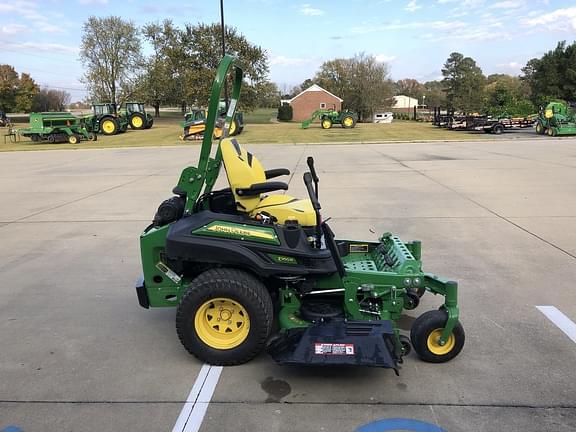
x=135, y=114
x=248, y=272
x=328, y=117
x=558, y=118
x=55, y=127
x=105, y=120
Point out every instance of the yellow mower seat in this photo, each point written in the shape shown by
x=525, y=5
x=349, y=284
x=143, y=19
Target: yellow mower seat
x=247, y=178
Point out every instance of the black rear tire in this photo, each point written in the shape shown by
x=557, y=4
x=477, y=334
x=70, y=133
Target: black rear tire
x=498, y=129
x=423, y=332
x=241, y=288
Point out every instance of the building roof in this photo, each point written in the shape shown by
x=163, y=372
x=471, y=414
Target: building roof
x=315, y=87
x=404, y=97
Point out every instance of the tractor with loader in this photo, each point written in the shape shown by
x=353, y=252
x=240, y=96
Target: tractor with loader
x=328, y=117
x=248, y=270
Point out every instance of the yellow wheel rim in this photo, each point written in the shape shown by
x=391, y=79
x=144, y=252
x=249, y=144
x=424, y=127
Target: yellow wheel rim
x=326, y=124
x=108, y=126
x=137, y=122
x=72, y=140
x=435, y=347
x=348, y=121
x=232, y=130
x=222, y=323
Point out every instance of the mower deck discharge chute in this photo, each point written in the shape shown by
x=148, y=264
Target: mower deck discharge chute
x=236, y=261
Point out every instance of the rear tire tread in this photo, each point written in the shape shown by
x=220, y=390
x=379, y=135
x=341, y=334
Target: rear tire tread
x=240, y=286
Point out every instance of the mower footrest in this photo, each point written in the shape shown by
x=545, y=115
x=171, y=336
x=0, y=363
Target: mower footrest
x=141, y=293
x=337, y=342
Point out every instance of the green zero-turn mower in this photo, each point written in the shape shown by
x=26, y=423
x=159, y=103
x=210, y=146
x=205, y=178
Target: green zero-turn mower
x=249, y=272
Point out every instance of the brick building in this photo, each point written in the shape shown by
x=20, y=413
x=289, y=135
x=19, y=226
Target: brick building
x=311, y=99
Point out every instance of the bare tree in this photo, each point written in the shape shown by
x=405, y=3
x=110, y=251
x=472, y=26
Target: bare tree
x=111, y=54
x=51, y=100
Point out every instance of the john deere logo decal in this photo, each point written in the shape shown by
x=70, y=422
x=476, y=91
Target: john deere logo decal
x=241, y=232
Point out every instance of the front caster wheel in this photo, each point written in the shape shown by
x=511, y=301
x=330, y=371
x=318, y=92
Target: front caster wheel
x=411, y=301
x=225, y=317
x=406, y=347
x=425, y=335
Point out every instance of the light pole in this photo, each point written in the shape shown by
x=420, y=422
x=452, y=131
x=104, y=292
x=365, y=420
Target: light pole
x=223, y=49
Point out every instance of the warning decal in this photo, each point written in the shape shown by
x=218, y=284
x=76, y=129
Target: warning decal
x=358, y=248
x=333, y=349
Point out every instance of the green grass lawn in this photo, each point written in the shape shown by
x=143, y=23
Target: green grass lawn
x=260, y=116
x=166, y=130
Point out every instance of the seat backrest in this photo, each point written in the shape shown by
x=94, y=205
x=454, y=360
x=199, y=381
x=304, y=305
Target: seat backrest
x=243, y=170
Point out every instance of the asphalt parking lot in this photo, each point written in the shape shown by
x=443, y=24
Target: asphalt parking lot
x=79, y=354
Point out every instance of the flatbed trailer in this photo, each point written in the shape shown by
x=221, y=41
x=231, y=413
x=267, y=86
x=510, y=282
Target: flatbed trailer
x=498, y=126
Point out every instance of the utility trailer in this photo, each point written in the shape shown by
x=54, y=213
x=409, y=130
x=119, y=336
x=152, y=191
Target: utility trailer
x=499, y=125
x=486, y=124
x=442, y=119
x=56, y=127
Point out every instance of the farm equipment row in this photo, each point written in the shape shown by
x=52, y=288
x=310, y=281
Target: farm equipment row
x=105, y=119
x=108, y=120
x=487, y=124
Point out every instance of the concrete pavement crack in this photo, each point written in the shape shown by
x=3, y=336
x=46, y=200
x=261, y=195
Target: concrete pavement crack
x=255, y=403
x=297, y=164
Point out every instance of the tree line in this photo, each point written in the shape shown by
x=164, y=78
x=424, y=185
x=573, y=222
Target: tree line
x=20, y=93
x=464, y=86
x=180, y=64
x=179, y=70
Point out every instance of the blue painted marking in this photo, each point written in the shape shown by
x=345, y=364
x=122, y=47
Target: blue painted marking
x=397, y=424
x=11, y=429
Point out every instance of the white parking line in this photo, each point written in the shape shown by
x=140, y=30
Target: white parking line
x=196, y=405
x=562, y=321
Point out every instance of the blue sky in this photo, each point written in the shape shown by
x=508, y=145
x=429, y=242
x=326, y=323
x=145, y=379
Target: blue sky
x=413, y=36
